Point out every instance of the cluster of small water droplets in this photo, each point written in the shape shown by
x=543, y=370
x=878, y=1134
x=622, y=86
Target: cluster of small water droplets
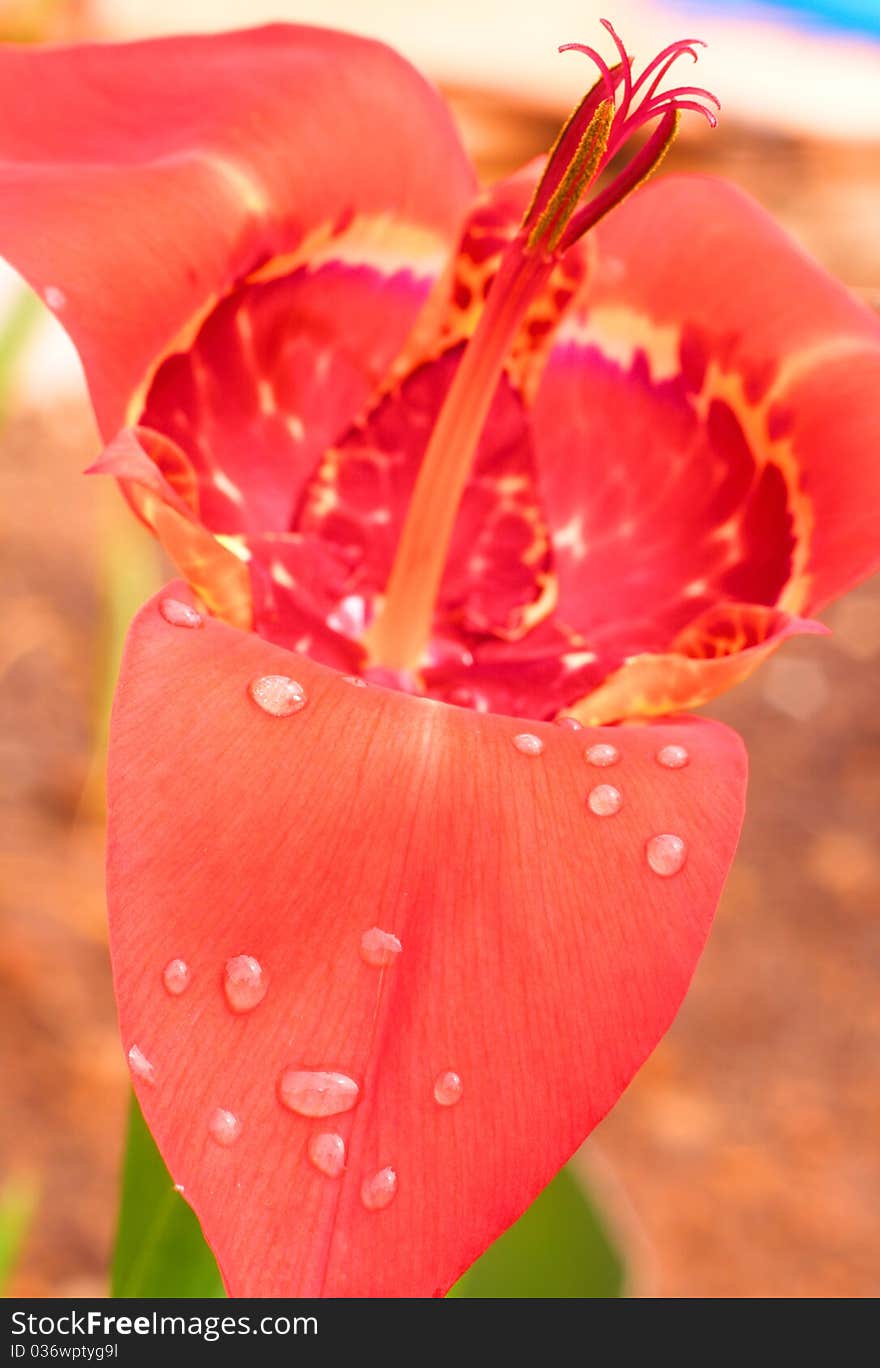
x=379, y=948
x=140, y=1065
x=666, y=854
x=317, y=1092
x=528, y=744
x=673, y=757
x=176, y=977
x=180, y=614
x=224, y=1127
x=448, y=1088
x=604, y=800
x=379, y=1190
x=278, y=695
x=326, y=1151
x=244, y=983
x=602, y=755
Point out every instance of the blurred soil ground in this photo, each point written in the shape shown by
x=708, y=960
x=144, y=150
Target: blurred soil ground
x=743, y=1160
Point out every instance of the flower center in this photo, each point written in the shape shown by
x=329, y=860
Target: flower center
x=561, y=211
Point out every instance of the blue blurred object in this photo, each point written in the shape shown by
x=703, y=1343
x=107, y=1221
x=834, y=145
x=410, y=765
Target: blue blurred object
x=859, y=16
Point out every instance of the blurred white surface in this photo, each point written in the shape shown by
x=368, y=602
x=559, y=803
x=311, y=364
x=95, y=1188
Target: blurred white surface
x=764, y=67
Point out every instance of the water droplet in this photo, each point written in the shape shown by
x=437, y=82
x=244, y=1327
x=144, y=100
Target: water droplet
x=379, y=1190
x=55, y=298
x=602, y=755
x=224, y=1126
x=176, y=977
x=528, y=743
x=178, y=1187
x=448, y=1088
x=355, y=680
x=278, y=695
x=604, y=800
x=666, y=854
x=140, y=1065
x=244, y=983
x=569, y=723
x=313, y=1092
x=327, y=1153
x=673, y=757
x=179, y=614
x=379, y=948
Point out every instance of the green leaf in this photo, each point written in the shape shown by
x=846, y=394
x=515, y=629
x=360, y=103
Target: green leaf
x=15, y=332
x=160, y=1250
x=18, y=1199
x=560, y=1247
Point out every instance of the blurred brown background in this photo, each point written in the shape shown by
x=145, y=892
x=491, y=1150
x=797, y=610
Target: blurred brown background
x=743, y=1161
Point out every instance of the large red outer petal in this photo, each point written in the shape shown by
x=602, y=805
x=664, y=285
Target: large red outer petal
x=542, y=959
x=706, y=433
x=160, y=172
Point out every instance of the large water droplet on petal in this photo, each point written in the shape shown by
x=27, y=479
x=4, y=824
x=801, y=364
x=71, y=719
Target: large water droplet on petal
x=314, y=1092
x=140, y=1065
x=179, y=614
x=448, y=1088
x=604, y=800
x=176, y=977
x=327, y=1153
x=666, y=854
x=602, y=755
x=673, y=757
x=528, y=743
x=278, y=695
x=379, y=948
x=244, y=983
x=224, y=1126
x=379, y=1190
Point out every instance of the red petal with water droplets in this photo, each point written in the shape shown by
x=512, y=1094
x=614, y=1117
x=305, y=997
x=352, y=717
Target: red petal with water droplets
x=161, y=173
x=541, y=957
